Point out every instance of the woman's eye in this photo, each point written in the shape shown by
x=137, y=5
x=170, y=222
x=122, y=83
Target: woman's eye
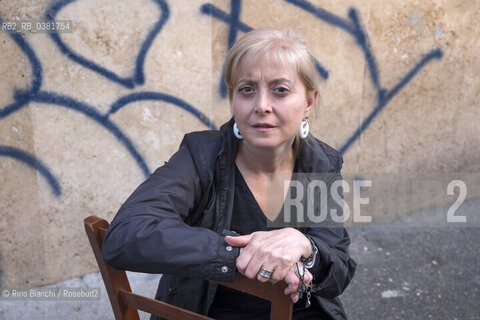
x=282, y=90
x=246, y=90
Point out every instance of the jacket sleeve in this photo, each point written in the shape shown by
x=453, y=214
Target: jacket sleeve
x=333, y=268
x=149, y=234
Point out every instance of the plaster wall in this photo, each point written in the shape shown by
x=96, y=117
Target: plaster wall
x=85, y=116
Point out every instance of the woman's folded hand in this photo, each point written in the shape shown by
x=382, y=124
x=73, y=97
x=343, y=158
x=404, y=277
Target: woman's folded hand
x=275, y=251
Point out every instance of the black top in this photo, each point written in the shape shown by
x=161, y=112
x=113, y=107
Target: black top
x=247, y=215
x=229, y=304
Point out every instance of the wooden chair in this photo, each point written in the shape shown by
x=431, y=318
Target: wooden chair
x=125, y=303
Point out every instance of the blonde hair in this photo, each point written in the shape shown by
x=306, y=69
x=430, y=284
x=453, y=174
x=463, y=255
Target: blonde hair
x=284, y=46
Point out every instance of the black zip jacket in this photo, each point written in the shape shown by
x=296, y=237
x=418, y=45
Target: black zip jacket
x=175, y=222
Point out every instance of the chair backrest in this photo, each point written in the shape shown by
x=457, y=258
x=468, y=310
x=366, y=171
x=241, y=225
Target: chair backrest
x=125, y=303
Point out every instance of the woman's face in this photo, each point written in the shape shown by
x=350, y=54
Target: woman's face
x=269, y=102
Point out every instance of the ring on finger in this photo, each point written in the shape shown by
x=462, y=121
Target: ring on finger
x=265, y=273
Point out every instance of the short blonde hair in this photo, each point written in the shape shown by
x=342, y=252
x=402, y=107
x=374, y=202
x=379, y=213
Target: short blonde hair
x=284, y=46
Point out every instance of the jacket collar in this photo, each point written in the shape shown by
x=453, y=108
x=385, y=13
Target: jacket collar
x=230, y=143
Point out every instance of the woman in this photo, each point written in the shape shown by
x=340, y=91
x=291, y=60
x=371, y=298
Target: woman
x=203, y=215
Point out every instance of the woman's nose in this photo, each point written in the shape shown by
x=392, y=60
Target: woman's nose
x=264, y=103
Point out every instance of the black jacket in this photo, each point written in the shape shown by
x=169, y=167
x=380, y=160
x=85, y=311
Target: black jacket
x=175, y=223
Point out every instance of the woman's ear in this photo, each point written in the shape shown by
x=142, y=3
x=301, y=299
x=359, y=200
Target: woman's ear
x=230, y=98
x=311, y=97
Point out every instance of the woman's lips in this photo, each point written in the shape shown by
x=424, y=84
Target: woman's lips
x=263, y=126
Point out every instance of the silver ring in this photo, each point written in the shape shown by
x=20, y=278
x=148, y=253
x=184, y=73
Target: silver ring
x=265, y=273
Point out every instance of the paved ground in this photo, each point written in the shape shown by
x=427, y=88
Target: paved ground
x=426, y=272
x=415, y=274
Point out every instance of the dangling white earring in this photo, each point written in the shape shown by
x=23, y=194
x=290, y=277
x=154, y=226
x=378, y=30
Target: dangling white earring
x=304, y=128
x=236, y=132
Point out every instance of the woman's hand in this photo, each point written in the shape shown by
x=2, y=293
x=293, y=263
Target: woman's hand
x=276, y=251
x=294, y=282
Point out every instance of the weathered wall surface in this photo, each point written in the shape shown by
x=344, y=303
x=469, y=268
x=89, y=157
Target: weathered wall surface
x=86, y=116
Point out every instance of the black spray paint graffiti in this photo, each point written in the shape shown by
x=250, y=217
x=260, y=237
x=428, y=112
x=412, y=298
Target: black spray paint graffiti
x=129, y=82
x=31, y=161
x=353, y=27
x=34, y=93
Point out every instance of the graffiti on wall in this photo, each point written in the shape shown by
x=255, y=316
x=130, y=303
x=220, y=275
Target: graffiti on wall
x=34, y=93
x=353, y=27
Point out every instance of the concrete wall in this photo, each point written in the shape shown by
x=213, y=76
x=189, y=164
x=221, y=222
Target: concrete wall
x=86, y=116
